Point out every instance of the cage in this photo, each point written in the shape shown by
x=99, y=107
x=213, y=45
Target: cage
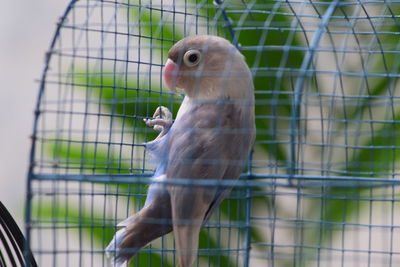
x=322, y=183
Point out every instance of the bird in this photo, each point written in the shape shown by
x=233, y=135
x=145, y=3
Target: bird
x=210, y=139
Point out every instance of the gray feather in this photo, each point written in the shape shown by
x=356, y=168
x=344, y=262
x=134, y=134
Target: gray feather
x=211, y=138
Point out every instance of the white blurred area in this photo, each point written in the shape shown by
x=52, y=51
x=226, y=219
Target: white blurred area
x=26, y=29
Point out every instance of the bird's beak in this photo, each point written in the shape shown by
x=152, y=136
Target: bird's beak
x=170, y=74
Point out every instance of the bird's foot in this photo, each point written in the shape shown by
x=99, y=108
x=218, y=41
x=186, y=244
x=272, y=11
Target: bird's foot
x=161, y=121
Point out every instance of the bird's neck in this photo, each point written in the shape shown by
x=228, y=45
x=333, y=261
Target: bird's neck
x=185, y=106
x=189, y=103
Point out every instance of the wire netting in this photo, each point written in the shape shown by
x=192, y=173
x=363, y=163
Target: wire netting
x=322, y=183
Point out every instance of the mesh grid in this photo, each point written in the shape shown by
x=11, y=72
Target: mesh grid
x=321, y=187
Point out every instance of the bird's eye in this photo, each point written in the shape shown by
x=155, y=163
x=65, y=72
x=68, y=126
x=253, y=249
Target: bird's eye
x=192, y=58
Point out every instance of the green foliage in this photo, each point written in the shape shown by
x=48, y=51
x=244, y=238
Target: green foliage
x=376, y=155
x=271, y=87
x=91, y=225
x=132, y=99
x=129, y=103
x=152, y=23
x=85, y=158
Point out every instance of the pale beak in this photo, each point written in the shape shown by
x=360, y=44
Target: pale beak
x=170, y=74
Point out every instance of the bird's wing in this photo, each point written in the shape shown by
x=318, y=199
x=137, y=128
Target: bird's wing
x=206, y=143
x=151, y=222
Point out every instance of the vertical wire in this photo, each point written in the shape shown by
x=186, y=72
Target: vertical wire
x=296, y=104
x=221, y=6
x=295, y=134
x=393, y=191
x=90, y=198
x=151, y=59
x=96, y=138
x=249, y=194
x=174, y=35
x=325, y=170
x=55, y=154
x=248, y=197
x=229, y=238
x=137, y=101
x=162, y=25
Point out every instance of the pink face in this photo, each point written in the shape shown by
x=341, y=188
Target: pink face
x=170, y=74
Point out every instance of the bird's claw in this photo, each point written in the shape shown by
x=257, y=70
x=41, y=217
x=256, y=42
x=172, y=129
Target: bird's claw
x=161, y=121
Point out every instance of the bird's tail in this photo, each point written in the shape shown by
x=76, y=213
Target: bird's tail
x=187, y=239
x=189, y=209
x=151, y=222
x=112, y=250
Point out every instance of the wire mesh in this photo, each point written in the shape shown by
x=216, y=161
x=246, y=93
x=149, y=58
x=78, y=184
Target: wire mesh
x=322, y=184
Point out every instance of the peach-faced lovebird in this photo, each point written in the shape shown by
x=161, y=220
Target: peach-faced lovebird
x=211, y=138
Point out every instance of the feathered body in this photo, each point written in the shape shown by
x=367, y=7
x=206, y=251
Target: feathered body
x=211, y=138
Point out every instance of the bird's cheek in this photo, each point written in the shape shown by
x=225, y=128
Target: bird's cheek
x=171, y=71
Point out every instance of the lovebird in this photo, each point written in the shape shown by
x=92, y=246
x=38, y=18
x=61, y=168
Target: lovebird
x=210, y=139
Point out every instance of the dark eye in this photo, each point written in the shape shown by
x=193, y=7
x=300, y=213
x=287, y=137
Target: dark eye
x=192, y=58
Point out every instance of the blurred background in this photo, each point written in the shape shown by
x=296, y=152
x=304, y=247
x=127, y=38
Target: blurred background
x=326, y=222
x=26, y=29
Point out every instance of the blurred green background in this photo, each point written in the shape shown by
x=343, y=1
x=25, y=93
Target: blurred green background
x=348, y=124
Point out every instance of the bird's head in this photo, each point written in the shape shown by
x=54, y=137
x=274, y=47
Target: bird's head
x=206, y=66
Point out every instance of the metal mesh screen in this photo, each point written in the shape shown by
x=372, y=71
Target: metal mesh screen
x=321, y=187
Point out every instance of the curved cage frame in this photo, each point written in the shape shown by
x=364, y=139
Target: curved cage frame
x=305, y=153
